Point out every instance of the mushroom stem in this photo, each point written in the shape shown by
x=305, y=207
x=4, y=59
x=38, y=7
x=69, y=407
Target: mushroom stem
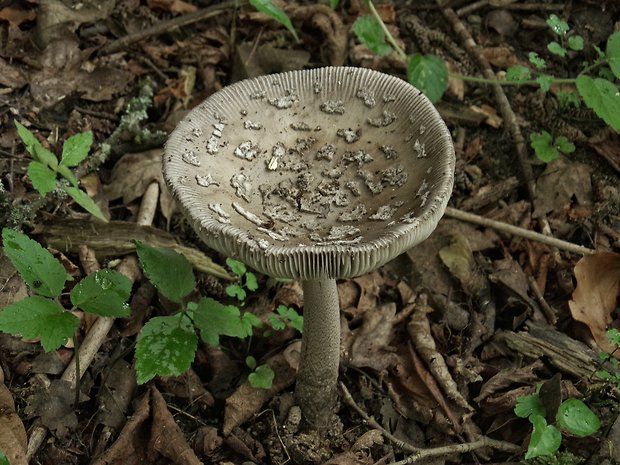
x=317, y=378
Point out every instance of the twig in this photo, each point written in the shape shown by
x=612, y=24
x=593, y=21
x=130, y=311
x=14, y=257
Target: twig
x=167, y=26
x=516, y=231
x=419, y=453
x=502, y=101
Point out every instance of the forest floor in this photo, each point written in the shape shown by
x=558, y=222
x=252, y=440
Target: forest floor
x=438, y=345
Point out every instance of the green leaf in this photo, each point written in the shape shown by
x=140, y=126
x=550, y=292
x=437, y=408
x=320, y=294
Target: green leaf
x=536, y=60
x=250, y=362
x=43, y=179
x=334, y=4
x=75, y=149
x=613, y=53
x=575, y=417
x=268, y=8
x=214, y=319
x=66, y=173
x=34, y=147
x=170, y=272
x=166, y=346
x=543, y=146
x=250, y=281
x=370, y=33
x=544, y=81
x=575, y=43
x=248, y=322
x=294, y=318
x=429, y=74
x=529, y=405
x=236, y=266
x=37, y=316
x=38, y=268
x=556, y=49
x=614, y=337
x=103, y=293
x=3, y=459
x=557, y=25
x=262, y=377
x=545, y=440
x=276, y=322
x=603, y=97
x=84, y=201
x=234, y=290
x=518, y=74
x=564, y=145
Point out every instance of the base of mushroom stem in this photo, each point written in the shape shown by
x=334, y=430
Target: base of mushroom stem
x=317, y=378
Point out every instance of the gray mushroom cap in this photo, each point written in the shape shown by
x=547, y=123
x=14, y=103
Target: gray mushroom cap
x=313, y=174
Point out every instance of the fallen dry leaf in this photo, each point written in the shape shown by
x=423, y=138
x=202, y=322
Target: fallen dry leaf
x=490, y=115
x=595, y=297
x=13, y=439
x=501, y=57
x=133, y=173
x=54, y=406
x=172, y=6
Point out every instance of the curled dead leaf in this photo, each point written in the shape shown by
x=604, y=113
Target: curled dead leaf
x=596, y=294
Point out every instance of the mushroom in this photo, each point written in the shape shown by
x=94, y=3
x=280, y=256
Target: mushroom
x=315, y=175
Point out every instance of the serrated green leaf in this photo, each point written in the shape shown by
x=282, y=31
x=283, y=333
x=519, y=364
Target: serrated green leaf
x=236, y=291
x=518, y=74
x=556, y=49
x=276, y=322
x=34, y=147
x=3, y=459
x=249, y=321
x=544, y=81
x=564, y=145
x=529, y=405
x=370, y=33
x=575, y=43
x=166, y=346
x=536, y=60
x=262, y=377
x=334, y=4
x=268, y=8
x=236, y=266
x=39, y=317
x=38, y=268
x=214, y=319
x=557, y=25
x=250, y=281
x=104, y=293
x=542, y=144
x=42, y=178
x=76, y=148
x=84, y=201
x=294, y=318
x=170, y=272
x=429, y=74
x=545, y=439
x=66, y=173
x=603, y=97
x=613, y=53
x=614, y=337
x=575, y=417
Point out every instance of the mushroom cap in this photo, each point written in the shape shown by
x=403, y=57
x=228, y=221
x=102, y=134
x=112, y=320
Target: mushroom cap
x=313, y=174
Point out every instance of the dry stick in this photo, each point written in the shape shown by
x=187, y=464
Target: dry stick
x=520, y=232
x=98, y=331
x=419, y=453
x=167, y=26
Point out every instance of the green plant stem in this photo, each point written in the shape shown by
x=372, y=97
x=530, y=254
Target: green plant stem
x=479, y=80
x=388, y=35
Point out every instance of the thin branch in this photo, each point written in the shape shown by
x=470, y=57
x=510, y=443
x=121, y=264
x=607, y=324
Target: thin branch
x=516, y=231
x=419, y=453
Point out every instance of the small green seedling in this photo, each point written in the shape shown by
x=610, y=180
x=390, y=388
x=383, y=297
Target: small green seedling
x=547, y=149
x=268, y=8
x=247, y=280
x=285, y=315
x=261, y=376
x=614, y=378
x=42, y=315
x=45, y=168
x=573, y=417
